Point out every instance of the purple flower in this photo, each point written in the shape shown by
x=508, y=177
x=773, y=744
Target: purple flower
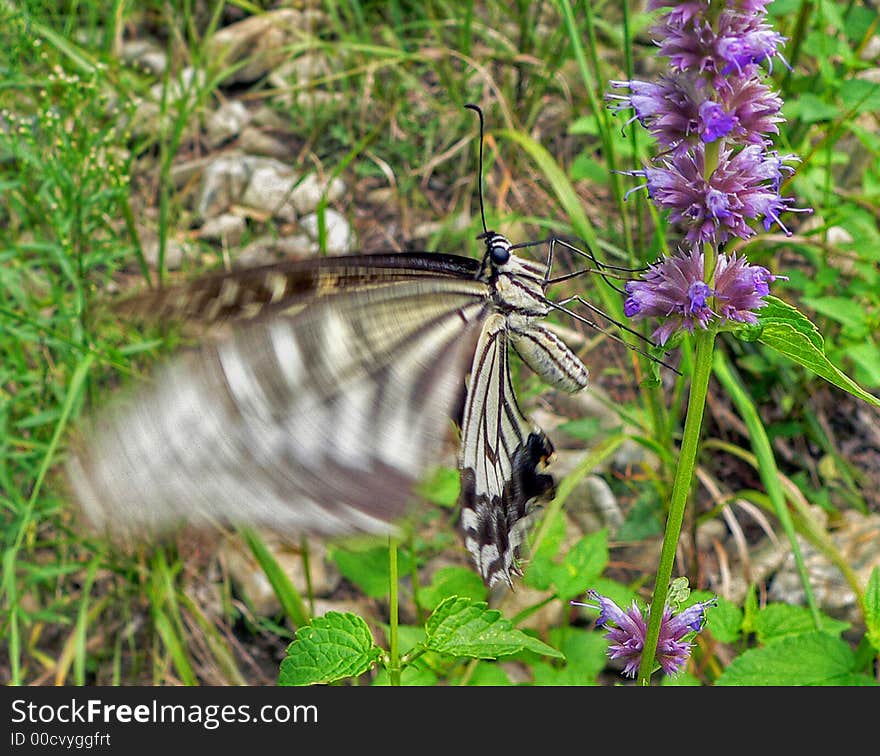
x=673, y=290
x=627, y=629
x=743, y=187
x=736, y=42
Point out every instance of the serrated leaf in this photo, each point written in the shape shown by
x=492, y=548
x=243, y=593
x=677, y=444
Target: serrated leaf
x=585, y=657
x=330, y=648
x=809, y=659
x=872, y=608
x=776, y=621
x=463, y=627
x=791, y=333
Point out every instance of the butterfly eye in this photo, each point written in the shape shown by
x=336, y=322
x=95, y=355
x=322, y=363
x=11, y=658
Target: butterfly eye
x=500, y=254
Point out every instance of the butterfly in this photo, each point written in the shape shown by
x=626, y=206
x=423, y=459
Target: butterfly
x=324, y=393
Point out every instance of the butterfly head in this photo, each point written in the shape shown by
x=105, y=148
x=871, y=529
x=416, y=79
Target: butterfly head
x=497, y=248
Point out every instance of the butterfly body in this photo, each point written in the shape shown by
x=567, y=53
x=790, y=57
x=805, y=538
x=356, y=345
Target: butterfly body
x=328, y=393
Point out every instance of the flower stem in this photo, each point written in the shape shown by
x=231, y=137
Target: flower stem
x=394, y=651
x=684, y=473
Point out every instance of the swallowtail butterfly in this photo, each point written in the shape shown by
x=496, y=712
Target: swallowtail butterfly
x=326, y=393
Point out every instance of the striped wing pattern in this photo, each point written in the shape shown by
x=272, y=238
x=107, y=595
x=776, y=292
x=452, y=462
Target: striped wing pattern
x=501, y=454
x=323, y=393
x=314, y=419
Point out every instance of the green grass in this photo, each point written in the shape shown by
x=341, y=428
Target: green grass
x=80, y=177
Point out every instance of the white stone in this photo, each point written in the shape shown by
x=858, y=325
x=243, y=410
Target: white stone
x=175, y=252
x=270, y=188
x=226, y=122
x=310, y=190
x=226, y=228
x=339, y=234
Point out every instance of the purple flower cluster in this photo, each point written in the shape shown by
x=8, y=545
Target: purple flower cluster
x=627, y=630
x=713, y=118
x=674, y=291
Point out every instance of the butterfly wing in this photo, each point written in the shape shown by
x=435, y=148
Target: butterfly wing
x=310, y=418
x=501, y=453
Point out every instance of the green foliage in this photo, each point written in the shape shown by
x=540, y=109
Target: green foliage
x=812, y=658
x=790, y=333
x=367, y=567
x=872, y=609
x=338, y=645
x=328, y=649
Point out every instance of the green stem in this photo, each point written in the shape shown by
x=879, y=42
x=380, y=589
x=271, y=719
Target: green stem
x=394, y=651
x=705, y=344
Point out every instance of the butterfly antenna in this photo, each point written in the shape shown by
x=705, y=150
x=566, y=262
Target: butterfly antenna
x=479, y=112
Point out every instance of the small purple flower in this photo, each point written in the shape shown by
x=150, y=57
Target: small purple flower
x=673, y=290
x=742, y=188
x=627, y=630
x=740, y=288
x=715, y=122
x=735, y=43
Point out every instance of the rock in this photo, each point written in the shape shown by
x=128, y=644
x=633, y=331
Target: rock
x=339, y=234
x=551, y=614
x=145, y=55
x=183, y=87
x=270, y=249
x=175, y=252
x=226, y=228
x=270, y=189
x=226, y=122
x=223, y=182
x=857, y=539
x=251, y=48
x=257, y=142
x=593, y=506
x=310, y=190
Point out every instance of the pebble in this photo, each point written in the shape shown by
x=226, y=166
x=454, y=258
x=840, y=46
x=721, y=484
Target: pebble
x=339, y=234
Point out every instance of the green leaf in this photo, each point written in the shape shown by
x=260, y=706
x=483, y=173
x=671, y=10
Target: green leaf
x=487, y=673
x=369, y=568
x=583, y=429
x=452, y=581
x=872, y=608
x=791, y=333
x=583, y=563
x=331, y=648
x=680, y=680
x=585, y=657
x=776, y=621
x=641, y=521
x=866, y=357
x=442, y=487
x=809, y=659
x=860, y=95
x=540, y=566
x=845, y=311
x=723, y=621
x=462, y=627
x=811, y=109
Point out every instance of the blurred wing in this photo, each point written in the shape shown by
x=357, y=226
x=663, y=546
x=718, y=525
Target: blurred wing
x=501, y=453
x=305, y=419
